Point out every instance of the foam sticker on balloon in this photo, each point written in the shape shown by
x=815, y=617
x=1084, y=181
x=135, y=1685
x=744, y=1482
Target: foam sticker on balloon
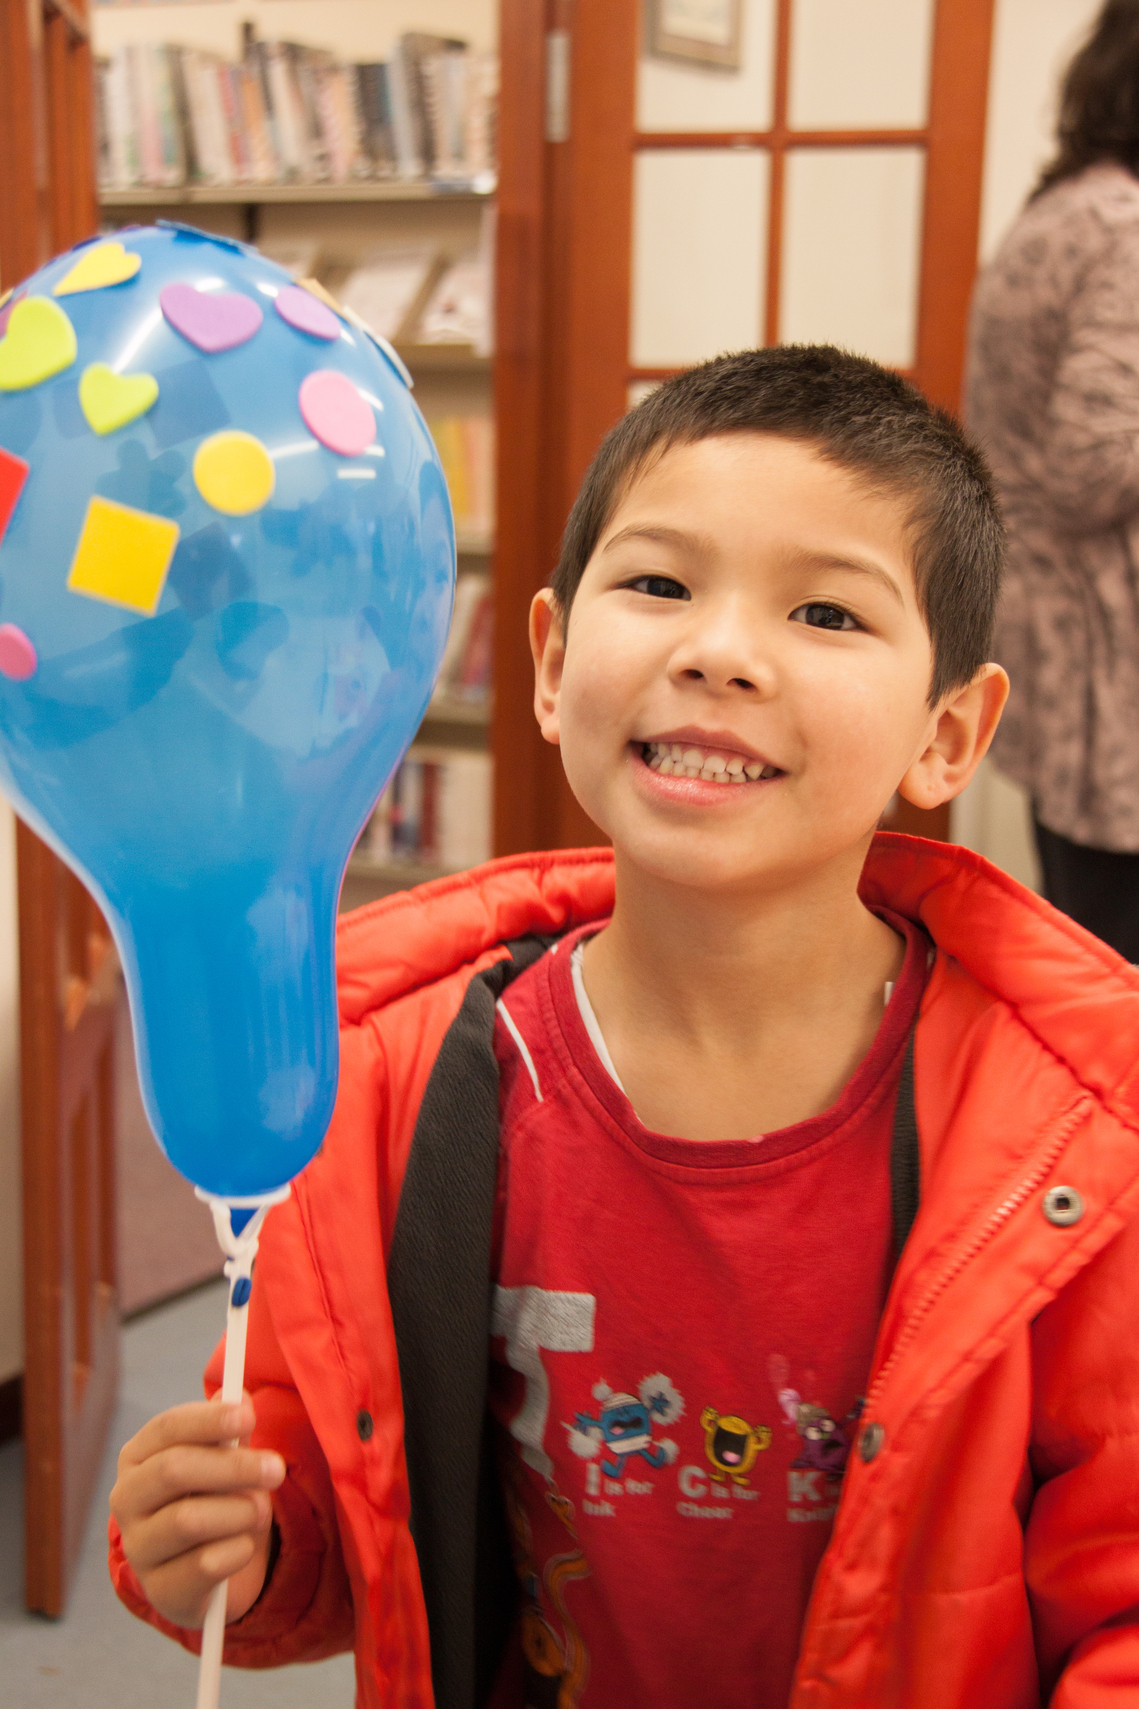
x=97, y=268
x=335, y=413
x=110, y=400
x=306, y=313
x=18, y=659
x=212, y=321
x=123, y=555
x=234, y=473
x=40, y=341
x=13, y=474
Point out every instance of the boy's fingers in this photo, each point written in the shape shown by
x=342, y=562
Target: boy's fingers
x=198, y=1421
x=184, y=1586
x=181, y=1528
x=186, y=1470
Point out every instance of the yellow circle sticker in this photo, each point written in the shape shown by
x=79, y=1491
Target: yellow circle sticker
x=234, y=472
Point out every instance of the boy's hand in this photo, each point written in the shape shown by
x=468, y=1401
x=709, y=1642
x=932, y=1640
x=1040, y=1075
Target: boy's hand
x=193, y=1512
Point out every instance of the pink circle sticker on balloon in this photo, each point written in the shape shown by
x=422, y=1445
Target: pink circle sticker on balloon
x=335, y=413
x=17, y=655
x=306, y=312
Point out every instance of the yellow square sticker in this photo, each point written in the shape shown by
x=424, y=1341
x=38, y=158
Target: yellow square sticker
x=123, y=555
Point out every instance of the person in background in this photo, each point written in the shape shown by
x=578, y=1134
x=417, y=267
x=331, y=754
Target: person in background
x=1053, y=396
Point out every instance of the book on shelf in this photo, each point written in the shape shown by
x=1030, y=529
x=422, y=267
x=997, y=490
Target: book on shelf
x=465, y=444
x=465, y=671
x=288, y=113
x=436, y=811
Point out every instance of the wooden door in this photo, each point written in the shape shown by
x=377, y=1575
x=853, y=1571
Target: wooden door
x=653, y=212
x=70, y=990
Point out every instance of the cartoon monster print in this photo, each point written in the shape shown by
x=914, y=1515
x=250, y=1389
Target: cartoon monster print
x=623, y=1425
x=555, y=1668
x=731, y=1444
x=826, y=1441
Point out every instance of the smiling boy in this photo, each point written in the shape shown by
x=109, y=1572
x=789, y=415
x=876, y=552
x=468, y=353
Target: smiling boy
x=627, y=1153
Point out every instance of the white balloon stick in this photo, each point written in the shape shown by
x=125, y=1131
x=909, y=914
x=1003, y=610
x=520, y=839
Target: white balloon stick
x=240, y=1250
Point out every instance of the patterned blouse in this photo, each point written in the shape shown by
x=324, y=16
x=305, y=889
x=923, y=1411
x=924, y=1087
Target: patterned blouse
x=1053, y=396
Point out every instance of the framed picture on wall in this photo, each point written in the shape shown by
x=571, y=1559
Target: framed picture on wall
x=703, y=32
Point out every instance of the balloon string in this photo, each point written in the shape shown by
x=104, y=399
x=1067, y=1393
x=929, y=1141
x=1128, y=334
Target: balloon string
x=240, y=1250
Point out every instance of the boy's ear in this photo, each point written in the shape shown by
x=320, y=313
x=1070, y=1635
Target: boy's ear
x=963, y=727
x=547, y=644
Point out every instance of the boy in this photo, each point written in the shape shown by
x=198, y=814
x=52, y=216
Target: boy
x=646, y=1127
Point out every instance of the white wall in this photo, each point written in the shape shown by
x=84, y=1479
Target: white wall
x=11, y=1316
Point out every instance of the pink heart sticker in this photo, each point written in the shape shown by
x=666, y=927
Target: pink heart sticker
x=304, y=311
x=211, y=320
x=335, y=413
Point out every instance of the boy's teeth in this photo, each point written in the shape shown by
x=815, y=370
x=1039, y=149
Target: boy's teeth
x=673, y=760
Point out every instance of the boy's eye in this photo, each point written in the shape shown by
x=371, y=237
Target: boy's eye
x=659, y=587
x=818, y=616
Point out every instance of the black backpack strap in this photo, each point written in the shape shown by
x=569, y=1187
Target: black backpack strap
x=905, y=1156
x=439, y=1285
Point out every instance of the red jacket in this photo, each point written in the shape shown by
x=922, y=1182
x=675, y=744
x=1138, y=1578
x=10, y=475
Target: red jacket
x=986, y=1550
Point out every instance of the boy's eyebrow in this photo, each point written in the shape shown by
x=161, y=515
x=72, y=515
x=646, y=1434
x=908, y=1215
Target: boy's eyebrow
x=808, y=560
x=660, y=535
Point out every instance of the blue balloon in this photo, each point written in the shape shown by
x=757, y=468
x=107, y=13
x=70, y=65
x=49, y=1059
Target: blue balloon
x=201, y=722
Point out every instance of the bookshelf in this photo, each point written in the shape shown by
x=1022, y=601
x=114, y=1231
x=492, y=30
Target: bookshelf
x=238, y=52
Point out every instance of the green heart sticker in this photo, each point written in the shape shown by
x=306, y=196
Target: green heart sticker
x=110, y=400
x=39, y=342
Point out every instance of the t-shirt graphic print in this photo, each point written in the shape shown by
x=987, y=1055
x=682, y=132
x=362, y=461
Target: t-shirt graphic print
x=682, y=1332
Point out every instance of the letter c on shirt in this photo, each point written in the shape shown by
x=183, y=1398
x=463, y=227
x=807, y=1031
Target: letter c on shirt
x=692, y=1482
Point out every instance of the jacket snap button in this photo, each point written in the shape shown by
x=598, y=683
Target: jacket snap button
x=870, y=1441
x=364, y=1425
x=1063, y=1206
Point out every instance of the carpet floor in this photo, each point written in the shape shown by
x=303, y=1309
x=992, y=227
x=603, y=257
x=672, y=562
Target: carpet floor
x=98, y=1656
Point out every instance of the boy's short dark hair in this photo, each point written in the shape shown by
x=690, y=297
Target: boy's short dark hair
x=863, y=418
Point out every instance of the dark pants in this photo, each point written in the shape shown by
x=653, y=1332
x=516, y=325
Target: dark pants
x=1099, y=888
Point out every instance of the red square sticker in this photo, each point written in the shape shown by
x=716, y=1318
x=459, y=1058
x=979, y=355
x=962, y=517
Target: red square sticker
x=13, y=474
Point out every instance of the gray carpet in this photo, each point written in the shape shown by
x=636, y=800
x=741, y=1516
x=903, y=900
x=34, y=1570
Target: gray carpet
x=98, y=1656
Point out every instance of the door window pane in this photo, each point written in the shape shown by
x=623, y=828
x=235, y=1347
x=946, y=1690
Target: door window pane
x=699, y=225
x=851, y=250
x=672, y=96
x=860, y=64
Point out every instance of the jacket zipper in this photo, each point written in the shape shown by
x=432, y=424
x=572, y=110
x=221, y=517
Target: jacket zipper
x=996, y=1221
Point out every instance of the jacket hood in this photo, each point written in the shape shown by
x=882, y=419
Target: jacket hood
x=1077, y=997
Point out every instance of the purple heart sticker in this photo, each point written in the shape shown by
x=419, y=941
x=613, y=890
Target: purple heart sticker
x=307, y=313
x=211, y=320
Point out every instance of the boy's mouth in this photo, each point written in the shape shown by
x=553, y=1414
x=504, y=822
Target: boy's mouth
x=680, y=759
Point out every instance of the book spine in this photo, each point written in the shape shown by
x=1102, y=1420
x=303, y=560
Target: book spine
x=405, y=134
x=284, y=109
x=176, y=64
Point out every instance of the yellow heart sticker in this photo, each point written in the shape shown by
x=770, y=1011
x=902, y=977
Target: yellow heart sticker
x=110, y=400
x=103, y=264
x=39, y=342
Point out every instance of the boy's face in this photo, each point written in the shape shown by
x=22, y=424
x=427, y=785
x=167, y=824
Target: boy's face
x=749, y=602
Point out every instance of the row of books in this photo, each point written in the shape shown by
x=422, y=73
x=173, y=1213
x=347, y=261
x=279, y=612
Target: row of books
x=465, y=673
x=435, y=812
x=465, y=444
x=170, y=115
x=421, y=294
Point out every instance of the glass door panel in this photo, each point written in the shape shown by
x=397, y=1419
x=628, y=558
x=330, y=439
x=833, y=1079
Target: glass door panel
x=699, y=254
x=852, y=250
x=860, y=64
x=673, y=96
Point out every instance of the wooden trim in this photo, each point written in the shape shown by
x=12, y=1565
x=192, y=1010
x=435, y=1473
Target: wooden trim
x=788, y=139
x=71, y=15
x=11, y=1409
x=519, y=391
x=43, y=1189
x=777, y=183
x=25, y=219
x=952, y=221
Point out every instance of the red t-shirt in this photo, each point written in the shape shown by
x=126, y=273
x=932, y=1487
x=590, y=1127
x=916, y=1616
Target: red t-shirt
x=682, y=1332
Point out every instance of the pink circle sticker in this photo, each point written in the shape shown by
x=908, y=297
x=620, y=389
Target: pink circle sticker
x=306, y=312
x=17, y=655
x=335, y=413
